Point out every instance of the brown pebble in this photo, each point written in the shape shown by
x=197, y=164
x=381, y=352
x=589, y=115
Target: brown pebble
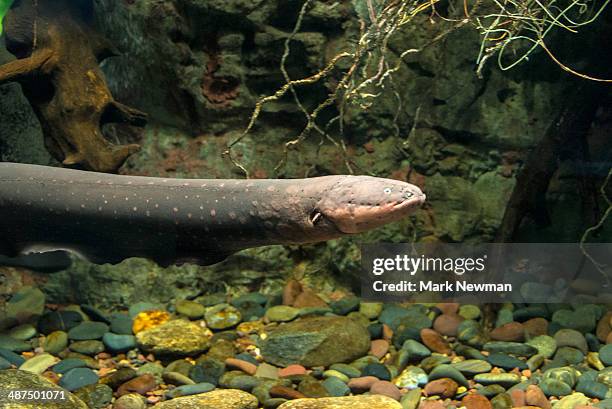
x=518, y=397
x=308, y=298
x=604, y=327
x=535, y=397
x=511, y=332
x=141, y=385
x=292, y=370
x=435, y=341
x=431, y=404
x=609, y=338
x=446, y=324
x=476, y=401
x=387, y=332
x=535, y=327
x=451, y=308
x=362, y=384
x=279, y=391
x=386, y=388
x=379, y=348
x=51, y=376
x=443, y=387
x=244, y=366
x=292, y=289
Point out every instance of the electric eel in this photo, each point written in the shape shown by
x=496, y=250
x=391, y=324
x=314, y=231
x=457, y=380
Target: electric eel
x=107, y=218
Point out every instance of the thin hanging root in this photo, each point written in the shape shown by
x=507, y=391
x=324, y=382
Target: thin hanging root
x=568, y=69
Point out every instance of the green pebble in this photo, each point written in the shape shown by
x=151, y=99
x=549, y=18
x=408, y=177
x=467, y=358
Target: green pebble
x=472, y=366
x=281, y=313
x=448, y=371
x=490, y=391
x=347, y=370
x=571, y=401
x=514, y=348
x=91, y=347
x=469, y=311
x=553, y=387
x=371, y=309
x=336, y=374
x=605, y=354
x=55, y=342
x=222, y=316
x=191, y=309
x=23, y=332
x=411, y=399
x=502, y=401
x=503, y=379
x=336, y=387
x=545, y=345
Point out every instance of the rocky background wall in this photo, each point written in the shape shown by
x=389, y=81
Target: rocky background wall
x=199, y=66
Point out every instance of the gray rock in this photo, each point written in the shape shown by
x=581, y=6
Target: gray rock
x=317, y=341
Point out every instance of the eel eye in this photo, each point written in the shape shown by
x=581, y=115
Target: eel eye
x=387, y=190
x=315, y=217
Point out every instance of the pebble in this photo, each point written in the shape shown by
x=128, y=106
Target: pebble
x=491, y=390
x=514, y=348
x=469, y=311
x=91, y=347
x=571, y=401
x=281, y=313
x=191, y=309
x=503, y=379
x=218, y=398
x=118, y=342
x=336, y=386
x=512, y=331
x=476, y=401
x=472, y=366
x=535, y=397
x=345, y=305
x=244, y=366
x=265, y=370
x=25, y=304
x=207, y=370
x=343, y=402
x=22, y=332
x=121, y=324
x=435, y=342
x=545, y=345
x=177, y=337
x=176, y=378
x=222, y=316
x=444, y=387
x=88, y=330
x=292, y=370
x=535, y=327
x=58, y=321
x=39, y=363
x=141, y=385
x=379, y=348
x=411, y=399
x=130, y=401
x=448, y=371
x=119, y=377
x=376, y=370
x=568, y=355
x=312, y=388
x=11, y=357
x=187, y=390
x=55, y=342
x=502, y=401
x=506, y=361
x=13, y=344
x=67, y=364
x=362, y=384
x=411, y=378
x=77, y=378
x=385, y=388
x=604, y=326
x=553, y=387
x=335, y=374
x=605, y=354
x=348, y=370
x=571, y=338
x=371, y=310
x=447, y=324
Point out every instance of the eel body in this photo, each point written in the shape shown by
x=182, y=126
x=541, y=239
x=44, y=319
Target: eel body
x=108, y=218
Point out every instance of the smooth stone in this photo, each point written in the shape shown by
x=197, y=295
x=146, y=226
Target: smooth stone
x=294, y=370
x=545, y=345
x=4, y=364
x=402, y=334
x=119, y=377
x=58, y=321
x=395, y=317
x=244, y=366
x=141, y=384
x=377, y=370
x=151, y=368
x=119, y=343
x=130, y=401
x=472, y=366
x=411, y=378
x=569, y=355
x=255, y=297
x=535, y=327
x=344, y=402
x=96, y=396
x=218, y=399
x=386, y=388
x=77, y=378
x=553, y=387
x=592, y=389
x=504, y=316
x=415, y=349
x=379, y=348
x=25, y=304
x=503, y=379
x=207, y=370
x=281, y=313
x=512, y=331
x=535, y=397
x=176, y=378
x=491, y=390
x=429, y=363
x=222, y=316
x=336, y=374
x=13, y=379
x=526, y=313
x=23, y=332
x=191, y=309
x=187, y=390
x=244, y=382
x=55, y=342
x=176, y=337
x=506, y=361
x=565, y=374
x=535, y=362
x=95, y=314
x=571, y=338
x=12, y=357
x=316, y=341
x=91, y=347
x=345, y=305
x=371, y=309
x=502, y=401
x=469, y=311
x=469, y=352
x=312, y=388
x=411, y=399
x=13, y=344
x=267, y=371
x=447, y=324
x=348, y=370
x=448, y=371
x=605, y=354
x=443, y=387
x=361, y=384
x=572, y=401
x=88, y=330
x=580, y=321
x=514, y=348
x=476, y=401
x=336, y=386
x=121, y=324
x=67, y=364
x=435, y=342
x=39, y=363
